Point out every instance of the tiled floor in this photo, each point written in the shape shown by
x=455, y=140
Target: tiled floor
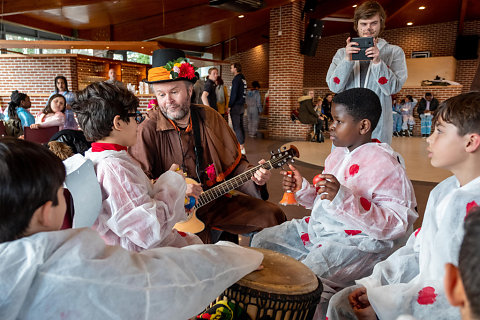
x=312, y=155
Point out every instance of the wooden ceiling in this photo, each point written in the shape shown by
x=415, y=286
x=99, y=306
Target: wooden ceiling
x=194, y=25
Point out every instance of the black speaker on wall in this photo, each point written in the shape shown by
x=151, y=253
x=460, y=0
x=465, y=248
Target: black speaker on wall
x=466, y=47
x=313, y=33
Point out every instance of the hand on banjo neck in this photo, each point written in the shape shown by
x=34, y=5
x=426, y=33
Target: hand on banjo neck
x=277, y=160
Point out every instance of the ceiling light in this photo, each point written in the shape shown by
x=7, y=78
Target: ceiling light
x=354, y=6
x=142, y=47
x=421, y=8
x=241, y=16
x=409, y=23
x=108, y=47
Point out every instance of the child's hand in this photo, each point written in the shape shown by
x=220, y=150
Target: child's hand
x=193, y=190
x=293, y=183
x=34, y=126
x=328, y=187
x=358, y=300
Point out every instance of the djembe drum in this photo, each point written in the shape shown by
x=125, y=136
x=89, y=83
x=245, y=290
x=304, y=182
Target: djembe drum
x=285, y=289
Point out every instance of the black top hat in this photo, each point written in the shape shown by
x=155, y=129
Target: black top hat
x=170, y=65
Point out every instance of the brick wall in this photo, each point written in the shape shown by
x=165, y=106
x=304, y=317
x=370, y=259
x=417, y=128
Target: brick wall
x=254, y=65
x=286, y=71
x=439, y=39
x=90, y=71
x=35, y=74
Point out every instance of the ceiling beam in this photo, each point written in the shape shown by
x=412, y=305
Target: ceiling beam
x=461, y=19
x=12, y=7
x=397, y=7
x=38, y=24
x=137, y=46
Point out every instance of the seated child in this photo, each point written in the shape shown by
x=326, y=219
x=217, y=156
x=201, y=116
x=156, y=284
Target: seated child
x=410, y=280
x=397, y=117
x=136, y=214
x=407, y=116
x=18, y=115
x=53, y=114
x=49, y=274
x=362, y=211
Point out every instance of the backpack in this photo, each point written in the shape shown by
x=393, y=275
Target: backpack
x=13, y=127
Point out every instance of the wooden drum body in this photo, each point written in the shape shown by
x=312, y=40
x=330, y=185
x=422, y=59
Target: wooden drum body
x=285, y=289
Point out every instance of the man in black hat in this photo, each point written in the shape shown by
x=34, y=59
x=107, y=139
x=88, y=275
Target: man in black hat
x=200, y=141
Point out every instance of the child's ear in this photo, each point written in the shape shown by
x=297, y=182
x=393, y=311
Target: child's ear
x=473, y=142
x=118, y=123
x=454, y=286
x=41, y=219
x=365, y=126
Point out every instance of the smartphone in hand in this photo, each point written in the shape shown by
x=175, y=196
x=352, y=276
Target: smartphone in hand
x=363, y=43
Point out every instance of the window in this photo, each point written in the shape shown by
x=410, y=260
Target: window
x=10, y=36
x=138, y=57
x=87, y=52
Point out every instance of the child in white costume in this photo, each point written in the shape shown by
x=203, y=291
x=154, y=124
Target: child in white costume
x=361, y=213
x=410, y=281
x=136, y=214
x=72, y=274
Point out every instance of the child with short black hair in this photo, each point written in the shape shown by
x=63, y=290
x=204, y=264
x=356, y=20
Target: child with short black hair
x=50, y=274
x=410, y=281
x=136, y=214
x=363, y=208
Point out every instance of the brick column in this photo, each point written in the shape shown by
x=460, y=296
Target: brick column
x=286, y=71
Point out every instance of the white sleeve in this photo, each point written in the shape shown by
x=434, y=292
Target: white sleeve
x=396, y=74
x=306, y=195
x=339, y=71
x=136, y=216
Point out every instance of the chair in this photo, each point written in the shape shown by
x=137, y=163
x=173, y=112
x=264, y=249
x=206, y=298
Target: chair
x=3, y=130
x=41, y=135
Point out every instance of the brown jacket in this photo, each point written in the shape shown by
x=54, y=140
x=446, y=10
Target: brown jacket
x=160, y=144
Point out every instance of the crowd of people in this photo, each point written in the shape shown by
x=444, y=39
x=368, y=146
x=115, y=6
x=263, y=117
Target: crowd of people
x=358, y=237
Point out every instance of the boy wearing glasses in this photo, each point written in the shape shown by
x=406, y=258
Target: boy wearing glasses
x=136, y=214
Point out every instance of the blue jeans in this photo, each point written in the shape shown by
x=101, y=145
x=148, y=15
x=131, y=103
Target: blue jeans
x=397, y=122
x=426, y=123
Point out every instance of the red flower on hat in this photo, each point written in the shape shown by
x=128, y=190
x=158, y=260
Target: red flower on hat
x=186, y=71
x=382, y=80
x=336, y=80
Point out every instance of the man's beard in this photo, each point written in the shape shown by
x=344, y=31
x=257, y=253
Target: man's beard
x=180, y=113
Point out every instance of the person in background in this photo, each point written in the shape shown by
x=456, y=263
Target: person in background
x=397, y=117
x=426, y=108
x=308, y=115
x=112, y=78
x=41, y=264
x=53, y=114
x=254, y=108
x=209, y=97
x=18, y=108
x=222, y=98
x=385, y=74
x=61, y=87
x=236, y=105
x=198, y=89
x=407, y=116
x=327, y=110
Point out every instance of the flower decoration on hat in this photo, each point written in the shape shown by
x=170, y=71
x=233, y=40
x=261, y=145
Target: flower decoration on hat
x=178, y=69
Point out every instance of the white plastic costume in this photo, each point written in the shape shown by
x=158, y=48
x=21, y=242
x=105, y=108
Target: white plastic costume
x=72, y=274
x=137, y=214
x=410, y=281
x=370, y=216
x=384, y=78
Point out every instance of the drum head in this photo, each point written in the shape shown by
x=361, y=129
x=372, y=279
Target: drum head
x=281, y=275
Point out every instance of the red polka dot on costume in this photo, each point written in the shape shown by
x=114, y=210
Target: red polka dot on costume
x=352, y=232
x=183, y=234
x=319, y=246
x=470, y=206
x=336, y=80
x=305, y=239
x=307, y=219
x=365, y=203
x=417, y=231
x=427, y=296
x=353, y=170
x=382, y=80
